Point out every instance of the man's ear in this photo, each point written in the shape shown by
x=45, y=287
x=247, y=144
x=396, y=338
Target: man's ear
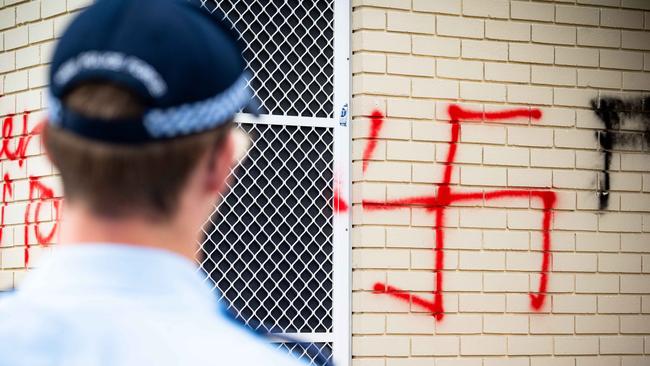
x=219, y=165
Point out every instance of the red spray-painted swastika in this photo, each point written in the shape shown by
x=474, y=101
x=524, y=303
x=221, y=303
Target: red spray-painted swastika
x=437, y=205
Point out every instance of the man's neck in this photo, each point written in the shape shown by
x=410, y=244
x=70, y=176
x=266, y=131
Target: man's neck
x=79, y=227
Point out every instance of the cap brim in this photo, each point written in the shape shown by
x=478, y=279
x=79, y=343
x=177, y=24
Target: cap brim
x=253, y=107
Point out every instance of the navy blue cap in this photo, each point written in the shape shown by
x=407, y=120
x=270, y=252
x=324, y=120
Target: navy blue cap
x=182, y=62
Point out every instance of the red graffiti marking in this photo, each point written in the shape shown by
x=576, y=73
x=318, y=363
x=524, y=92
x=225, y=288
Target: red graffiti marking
x=38, y=190
x=437, y=205
x=22, y=142
x=39, y=193
x=6, y=191
x=340, y=206
x=376, y=123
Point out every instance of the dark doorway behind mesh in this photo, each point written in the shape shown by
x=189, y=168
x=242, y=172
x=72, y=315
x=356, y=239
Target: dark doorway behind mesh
x=268, y=246
x=290, y=50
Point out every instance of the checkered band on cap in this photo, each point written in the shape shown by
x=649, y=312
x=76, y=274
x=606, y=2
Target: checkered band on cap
x=199, y=116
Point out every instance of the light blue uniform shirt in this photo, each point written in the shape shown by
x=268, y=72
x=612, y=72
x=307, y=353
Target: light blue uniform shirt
x=117, y=305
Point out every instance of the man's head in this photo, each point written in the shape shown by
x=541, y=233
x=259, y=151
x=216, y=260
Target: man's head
x=113, y=180
x=142, y=98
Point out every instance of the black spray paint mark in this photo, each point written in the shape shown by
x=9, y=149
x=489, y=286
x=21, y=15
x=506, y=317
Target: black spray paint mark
x=627, y=125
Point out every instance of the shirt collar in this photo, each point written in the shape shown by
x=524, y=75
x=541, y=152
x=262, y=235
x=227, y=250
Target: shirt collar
x=122, y=269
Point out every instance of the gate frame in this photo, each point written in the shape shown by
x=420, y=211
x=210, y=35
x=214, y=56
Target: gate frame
x=341, y=335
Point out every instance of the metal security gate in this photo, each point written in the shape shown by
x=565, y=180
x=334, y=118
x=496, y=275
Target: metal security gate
x=276, y=249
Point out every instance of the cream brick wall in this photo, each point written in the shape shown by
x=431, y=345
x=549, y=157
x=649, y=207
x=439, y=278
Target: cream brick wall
x=411, y=59
x=29, y=30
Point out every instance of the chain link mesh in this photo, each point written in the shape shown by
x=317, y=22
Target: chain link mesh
x=317, y=354
x=290, y=50
x=268, y=246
